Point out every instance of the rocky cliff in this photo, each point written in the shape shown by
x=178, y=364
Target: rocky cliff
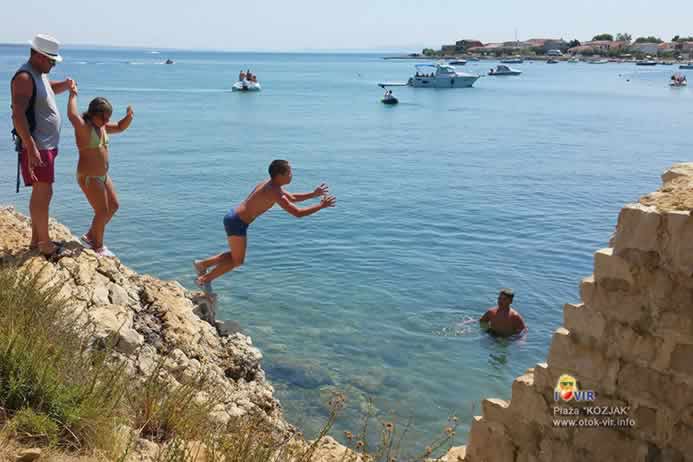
x=629, y=341
x=154, y=324
x=150, y=322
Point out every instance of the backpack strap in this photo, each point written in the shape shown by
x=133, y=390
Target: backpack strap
x=30, y=117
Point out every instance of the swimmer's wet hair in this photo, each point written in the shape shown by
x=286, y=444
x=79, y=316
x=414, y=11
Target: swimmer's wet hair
x=278, y=167
x=508, y=293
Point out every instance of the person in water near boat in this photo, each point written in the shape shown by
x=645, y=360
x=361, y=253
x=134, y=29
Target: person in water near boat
x=91, y=134
x=502, y=319
x=260, y=200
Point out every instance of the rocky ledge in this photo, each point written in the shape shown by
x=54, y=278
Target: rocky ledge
x=150, y=322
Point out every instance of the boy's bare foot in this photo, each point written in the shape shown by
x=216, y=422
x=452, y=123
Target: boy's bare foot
x=202, y=283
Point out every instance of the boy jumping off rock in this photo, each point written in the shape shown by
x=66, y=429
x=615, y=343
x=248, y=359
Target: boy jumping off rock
x=260, y=200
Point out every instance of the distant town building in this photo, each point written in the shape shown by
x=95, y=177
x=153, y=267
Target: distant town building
x=666, y=47
x=464, y=45
x=645, y=48
x=448, y=49
x=599, y=47
x=489, y=48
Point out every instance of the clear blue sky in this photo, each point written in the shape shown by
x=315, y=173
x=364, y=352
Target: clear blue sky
x=349, y=24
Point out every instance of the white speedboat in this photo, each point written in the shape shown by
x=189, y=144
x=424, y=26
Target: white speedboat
x=244, y=85
x=599, y=61
x=440, y=76
x=458, y=62
x=502, y=69
x=512, y=61
x=646, y=62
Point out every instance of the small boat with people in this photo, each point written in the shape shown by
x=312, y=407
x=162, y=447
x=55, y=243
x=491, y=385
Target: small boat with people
x=388, y=98
x=678, y=80
x=512, y=61
x=502, y=69
x=247, y=81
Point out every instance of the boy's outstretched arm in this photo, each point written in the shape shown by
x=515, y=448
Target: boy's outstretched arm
x=286, y=203
x=122, y=124
x=320, y=190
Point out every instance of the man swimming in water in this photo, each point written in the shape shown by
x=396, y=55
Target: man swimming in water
x=503, y=320
x=260, y=200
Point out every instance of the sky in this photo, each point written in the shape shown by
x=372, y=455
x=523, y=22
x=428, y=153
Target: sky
x=299, y=25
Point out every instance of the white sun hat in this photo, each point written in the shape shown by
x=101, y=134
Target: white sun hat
x=47, y=46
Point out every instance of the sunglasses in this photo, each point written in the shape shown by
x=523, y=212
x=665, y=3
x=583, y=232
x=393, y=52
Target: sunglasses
x=567, y=384
x=51, y=61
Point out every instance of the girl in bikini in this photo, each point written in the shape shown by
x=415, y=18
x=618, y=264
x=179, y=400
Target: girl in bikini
x=91, y=133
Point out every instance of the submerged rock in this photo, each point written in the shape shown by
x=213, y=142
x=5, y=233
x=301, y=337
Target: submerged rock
x=298, y=375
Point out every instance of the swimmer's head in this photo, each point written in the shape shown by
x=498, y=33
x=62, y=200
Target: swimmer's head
x=505, y=297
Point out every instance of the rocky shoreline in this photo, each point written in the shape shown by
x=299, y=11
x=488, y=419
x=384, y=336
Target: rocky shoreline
x=148, y=320
x=151, y=324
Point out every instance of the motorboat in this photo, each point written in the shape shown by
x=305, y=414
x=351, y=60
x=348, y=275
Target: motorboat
x=678, y=80
x=441, y=76
x=389, y=99
x=169, y=61
x=502, y=69
x=646, y=62
x=458, y=62
x=552, y=61
x=245, y=85
x=573, y=60
x=512, y=61
x=686, y=66
x=599, y=61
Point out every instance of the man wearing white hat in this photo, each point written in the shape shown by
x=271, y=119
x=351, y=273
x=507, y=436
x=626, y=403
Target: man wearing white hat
x=37, y=129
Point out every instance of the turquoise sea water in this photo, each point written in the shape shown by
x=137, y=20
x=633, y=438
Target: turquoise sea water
x=442, y=200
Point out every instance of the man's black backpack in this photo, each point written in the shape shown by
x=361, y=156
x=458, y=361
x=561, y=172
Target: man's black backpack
x=30, y=117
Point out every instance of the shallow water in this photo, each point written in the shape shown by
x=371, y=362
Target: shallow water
x=442, y=200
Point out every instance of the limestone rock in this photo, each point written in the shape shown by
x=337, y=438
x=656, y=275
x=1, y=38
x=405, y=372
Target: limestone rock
x=148, y=322
x=28, y=455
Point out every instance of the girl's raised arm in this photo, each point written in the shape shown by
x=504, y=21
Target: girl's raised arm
x=72, y=111
x=122, y=124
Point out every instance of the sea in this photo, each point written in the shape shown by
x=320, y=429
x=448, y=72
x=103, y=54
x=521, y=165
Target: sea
x=442, y=200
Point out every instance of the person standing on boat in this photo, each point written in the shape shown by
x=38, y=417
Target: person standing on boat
x=260, y=200
x=36, y=121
